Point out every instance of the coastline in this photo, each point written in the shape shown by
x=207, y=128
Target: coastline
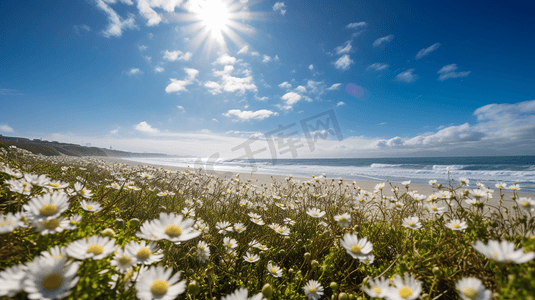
x=267, y=179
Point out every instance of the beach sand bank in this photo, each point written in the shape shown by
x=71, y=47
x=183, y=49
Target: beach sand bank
x=267, y=179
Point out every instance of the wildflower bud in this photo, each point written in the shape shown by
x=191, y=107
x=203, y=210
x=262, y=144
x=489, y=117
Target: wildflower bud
x=282, y=252
x=511, y=277
x=108, y=232
x=334, y=286
x=425, y=296
x=352, y=297
x=314, y=263
x=134, y=222
x=466, y=192
x=163, y=208
x=343, y=296
x=323, y=268
x=267, y=291
x=189, y=272
x=439, y=185
x=193, y=287
x=290, y=270
x=119, y=223
x=437, y=271
x=513, y=197
x=306, y=256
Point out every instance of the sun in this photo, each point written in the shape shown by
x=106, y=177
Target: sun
x=217, y=21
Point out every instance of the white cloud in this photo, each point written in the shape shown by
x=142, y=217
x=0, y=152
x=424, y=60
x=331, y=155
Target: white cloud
x=266, y=59
x=382, y=40
x=177, y=55
x=181, y=108
x=448, y=72
x=114, y=131
x=343, y=63
x=279, y=6
x=180, y=85
x=226, y=59
x=356, y=25
x=215, y=120
x=276, y=58
x=343, y=49
x=247, y=115
x=377, y=67
x=334, y=87
x=158, y=69
x=6, y=128
x=407, y=76
x=134, y=71
x=290, y=99
x=146, y=9
x=285, y=85
x=144, y=127
x=261, y=98
x=340, y=103
x=311, y=67
x=233, y=84
x=83, y=27
x=244, y=49
x=301, y=89
x=142, y=48
x=255, y=53
x=116, y=23
x=213, y=87
x=427, y=50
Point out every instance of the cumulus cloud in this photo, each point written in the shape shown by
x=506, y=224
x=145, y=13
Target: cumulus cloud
x=230, y=83
x=144, y=127
x=334, y=87
x=158, y=69
x=301, y=89
x=181, y=108
x=285, y=85
x=226, y=59
x=6, y=128
x=279, y=6
x=343, y=63
x=244, y=50
x=311, y=67
x=177, y=55
x=213, y=87
x=340, y=103
x=407, y=76
x=116, y=23
x=290, y=99
x=356, y=25
x=134, y=71
x=377, y=67
x=247, y=115
x=266, y=59
x=146, y=9
x=448, y=72
x=386, y=39
x=180, y=85
x=346, y=48
x=427, y=50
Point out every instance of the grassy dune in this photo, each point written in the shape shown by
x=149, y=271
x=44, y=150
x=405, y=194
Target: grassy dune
x=287, y=240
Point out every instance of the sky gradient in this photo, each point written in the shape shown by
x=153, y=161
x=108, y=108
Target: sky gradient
x=202, y=77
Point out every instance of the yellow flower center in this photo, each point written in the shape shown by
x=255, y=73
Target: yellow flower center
x=273, y=270
x=229, y=244
x=525, y=203
x=159, y=287
x=52, y=282
x=280, y=230
x=469, y=293
x=456, y=225
x=405, y=292
x=96, y=249
x=173, y=230
x=48, y=210
x=51, y=224
x=54, y=184
x=376, y=289
x=58, y=256
x=312, y=289
x=434, y=208
x=411, y=223
x=144, y=253
x=89, y=207
x=125, y=259
x=355, y=249
x=343, y=220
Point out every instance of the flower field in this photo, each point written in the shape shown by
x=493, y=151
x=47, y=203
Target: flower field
x=82, y=228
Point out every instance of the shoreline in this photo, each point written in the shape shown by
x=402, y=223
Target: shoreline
x=266, y=179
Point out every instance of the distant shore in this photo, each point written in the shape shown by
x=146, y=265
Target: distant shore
x=267, y=179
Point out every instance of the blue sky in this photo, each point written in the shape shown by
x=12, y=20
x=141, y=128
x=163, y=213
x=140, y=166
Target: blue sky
x=433, y=79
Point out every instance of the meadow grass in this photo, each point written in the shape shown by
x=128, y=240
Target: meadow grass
x=304, y=231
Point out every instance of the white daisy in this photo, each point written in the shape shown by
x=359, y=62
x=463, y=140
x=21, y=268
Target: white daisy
x=251, y=258
x=412, y=223
x=223, y=227
x=435, y=208
x=11, y=280
x=313, y=289
x=241, y=294
x=367, y=259
x=229, y=243
x=48, y=205
x=408, y=289
x=344, y=220
x=471, y=288
x=456, y=224
x=378, y=287
x=123, y=261
x=503, y=252
x=173, y=228
x=274, y=270
x=144, y=253
x=50, y=225
x=315, y=213
x=95, y=247
x=10, y=222
x=50, y=278
x=73, y=222
x=355, y=247
x=90, y=206
x=157, y=283
x=55, y=252
x=239, y=227
x=147, y=232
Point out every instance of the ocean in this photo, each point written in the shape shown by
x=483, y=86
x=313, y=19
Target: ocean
x=487, y=170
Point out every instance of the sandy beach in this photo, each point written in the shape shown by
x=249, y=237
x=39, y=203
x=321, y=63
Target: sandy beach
x=267, y=179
